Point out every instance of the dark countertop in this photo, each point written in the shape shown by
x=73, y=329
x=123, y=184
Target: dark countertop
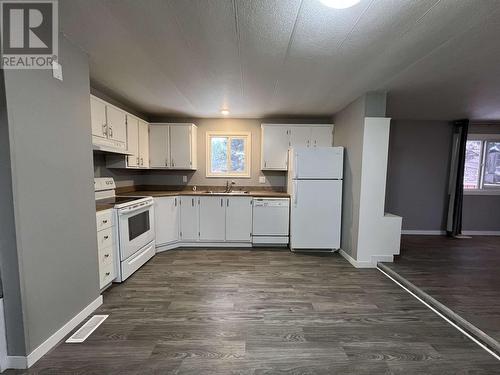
x=103, y=206
x=169, y=193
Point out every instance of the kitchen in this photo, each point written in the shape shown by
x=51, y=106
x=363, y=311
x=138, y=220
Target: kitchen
x=203, y=186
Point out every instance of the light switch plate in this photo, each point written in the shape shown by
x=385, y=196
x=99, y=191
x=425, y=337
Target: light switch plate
x=262, y=179
x=184, y=178
x=57, y=70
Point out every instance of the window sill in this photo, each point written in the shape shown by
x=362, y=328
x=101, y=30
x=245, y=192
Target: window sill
x=482, y=192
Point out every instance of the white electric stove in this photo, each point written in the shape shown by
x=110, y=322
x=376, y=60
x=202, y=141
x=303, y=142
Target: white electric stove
x=135, y=227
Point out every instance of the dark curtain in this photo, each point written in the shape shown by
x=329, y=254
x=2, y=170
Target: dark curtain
x=456, y=185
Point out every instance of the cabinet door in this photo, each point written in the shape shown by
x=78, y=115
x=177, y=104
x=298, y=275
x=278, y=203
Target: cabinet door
x=117, y=124
x=133, y=141
x=212, y=219
x=189, y=218
x=98, y=117
x=159, y=152
x=274, y=150
x=181, y=146
x=238, y=219
x=300, y=136
x=167, y=220
x=322, y=136
x=143, y=144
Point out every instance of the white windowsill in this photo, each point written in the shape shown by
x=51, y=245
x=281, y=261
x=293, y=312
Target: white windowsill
x=482, y=192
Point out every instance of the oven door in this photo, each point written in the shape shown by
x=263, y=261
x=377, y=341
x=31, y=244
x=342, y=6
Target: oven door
x=136, y=228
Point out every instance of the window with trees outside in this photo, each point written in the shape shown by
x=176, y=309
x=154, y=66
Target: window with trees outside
x=228, y=154
x=482, y=164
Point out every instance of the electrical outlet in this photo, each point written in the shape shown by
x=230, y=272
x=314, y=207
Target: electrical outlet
x=57, y=70
x=184, y=178
x=262, y=179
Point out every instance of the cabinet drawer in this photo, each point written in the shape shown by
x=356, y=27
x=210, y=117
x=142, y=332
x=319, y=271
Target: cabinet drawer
x=105, y=256
x=106, y=274
x=105, y=238
x=104, y=219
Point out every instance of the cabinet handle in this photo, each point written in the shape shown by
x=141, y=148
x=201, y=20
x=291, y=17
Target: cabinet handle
x=222, y=202
x=173, y=163
x=106, y=255
x=111, y=131
x=137, y=160
x=106, y=237
x=104, y=221
x=227, y=202
x=192, y=202
x=175, y=202
x=265, y=164
x=104, y=129
x=108, y=273
x=142, y=161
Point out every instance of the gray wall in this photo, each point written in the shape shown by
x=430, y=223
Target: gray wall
x=50, y=141
x=9, y=263
x=417, y=182
x=349, y=127
x=419, y=154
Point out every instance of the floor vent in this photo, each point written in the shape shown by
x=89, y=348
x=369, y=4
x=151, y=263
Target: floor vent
x=85, y=330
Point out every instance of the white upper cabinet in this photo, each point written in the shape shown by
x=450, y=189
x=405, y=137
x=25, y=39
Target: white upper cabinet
x=167, y=215
x=212, y=219
x=117, y=124
x=98, y=117
x=189, y=218
x=143, y=144
x=274, y=147
x=183, y=143
x=109, y=126
x=300, y=136
x=133, y=141
x=159, y=146
x=238, y=219
x=321, y=136
x=277, y=138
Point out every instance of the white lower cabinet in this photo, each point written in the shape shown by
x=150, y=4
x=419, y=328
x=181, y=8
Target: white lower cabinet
x=189, y=230
x=167, y=216
x=212, y=219
x=238, y=219
x=105, y=247
x=203, y=219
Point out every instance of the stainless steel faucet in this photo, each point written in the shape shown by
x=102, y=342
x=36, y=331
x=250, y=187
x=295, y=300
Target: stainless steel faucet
x=229, y=187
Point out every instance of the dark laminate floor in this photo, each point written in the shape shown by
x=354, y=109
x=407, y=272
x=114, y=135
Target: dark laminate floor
x=464, y=275
x=265, y=312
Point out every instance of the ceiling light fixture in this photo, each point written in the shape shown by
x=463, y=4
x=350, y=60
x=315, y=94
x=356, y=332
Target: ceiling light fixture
x=224, y=112
x=339, y=4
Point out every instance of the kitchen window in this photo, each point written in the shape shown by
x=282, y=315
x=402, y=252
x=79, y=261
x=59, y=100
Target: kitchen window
x=482, y=164
x=228, y=154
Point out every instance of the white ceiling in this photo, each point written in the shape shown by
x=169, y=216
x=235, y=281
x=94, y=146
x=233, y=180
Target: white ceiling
x=438, y=59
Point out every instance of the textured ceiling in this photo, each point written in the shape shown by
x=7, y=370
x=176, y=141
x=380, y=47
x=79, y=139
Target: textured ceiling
x=438, y=59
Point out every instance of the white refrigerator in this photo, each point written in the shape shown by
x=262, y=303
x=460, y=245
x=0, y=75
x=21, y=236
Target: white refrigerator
x=315, y=186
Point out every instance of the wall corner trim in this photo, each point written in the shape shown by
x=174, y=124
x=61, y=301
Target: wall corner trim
x=357, y=263
x=35, y=355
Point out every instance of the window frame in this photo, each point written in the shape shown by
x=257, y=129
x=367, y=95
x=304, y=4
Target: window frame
x=484, y=139
x=230, y=135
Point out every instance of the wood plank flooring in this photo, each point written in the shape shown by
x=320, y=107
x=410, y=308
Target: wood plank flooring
x=264, y=312
x=462, y=274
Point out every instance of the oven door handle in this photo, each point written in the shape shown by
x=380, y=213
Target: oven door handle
x=143, y=206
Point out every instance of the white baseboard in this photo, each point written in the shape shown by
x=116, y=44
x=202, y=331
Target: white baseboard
x=53, y=340
x=356, y=263
x=481, y=233
x=424, y=232
x=16, y=362
x=177, y=245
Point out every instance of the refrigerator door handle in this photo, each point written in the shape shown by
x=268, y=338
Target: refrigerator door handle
x=296, y=165
x=295, y=193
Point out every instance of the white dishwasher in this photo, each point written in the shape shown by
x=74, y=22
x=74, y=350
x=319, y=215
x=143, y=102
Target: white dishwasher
x=271, y=221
